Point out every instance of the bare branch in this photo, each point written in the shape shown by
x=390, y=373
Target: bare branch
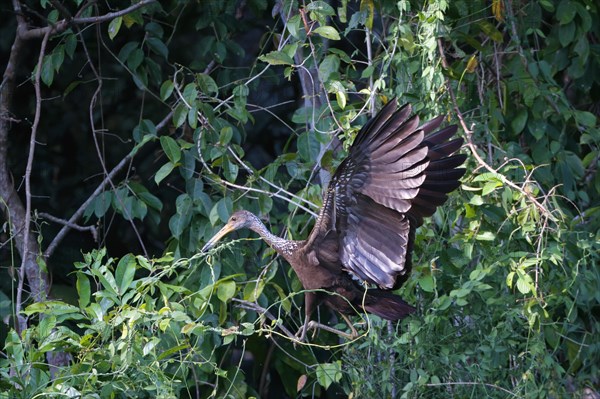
x=473, y=147
x=28, y=267
x=62, y=25
x=260, y=310
x=91, y=229
x=101, y=187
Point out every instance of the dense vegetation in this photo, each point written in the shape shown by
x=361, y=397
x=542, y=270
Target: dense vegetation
x=130, y=132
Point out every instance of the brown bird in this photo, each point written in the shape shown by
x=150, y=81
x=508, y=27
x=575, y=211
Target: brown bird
x=396, y=173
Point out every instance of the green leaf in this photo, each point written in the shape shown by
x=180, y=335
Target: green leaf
x=154, y=29
x=70, y=45
x=328, y=373
x=171, y=148
x=127, y=207
x=368, y=7
x=126, y=50
x=253, y=289
x=181, y=220
x=135, y=59
x=225, y=135
x=206, y=84
x=277, y=58
x=83, y=289
x=192, y=117
x=190, y=94
x=226, y=290
x=524, y=283
x=163, y=172
x=180, y=114
x=56, y=308
x=485, y=236
x=490, y=30
x=183, y=204
x=336, y=87
x=47, y=73
x=151, y=200
x=114, y=26
x=321, y=7
x=328, y=66
x=224, y=209
x=189, y=165
x=58, y=56
x=565, y=12
x=102, y=203
x=490, y=187
x=426, y=283
x=308, y=146
x=327, y=32
x=566, y=33
x=166, y=89
x=177, y=225
x=519, y=121
x=125, y=273
x=295, y=27
x=585, y=118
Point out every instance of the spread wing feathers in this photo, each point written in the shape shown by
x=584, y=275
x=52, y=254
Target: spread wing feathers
x=374, y=241
x=396, y=173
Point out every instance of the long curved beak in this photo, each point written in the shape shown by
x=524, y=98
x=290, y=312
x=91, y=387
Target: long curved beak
x=228, y=228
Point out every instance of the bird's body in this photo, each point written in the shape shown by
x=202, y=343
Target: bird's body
x=396, y=173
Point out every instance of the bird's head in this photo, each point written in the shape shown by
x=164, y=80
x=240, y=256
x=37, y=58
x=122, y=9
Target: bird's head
x=238, y=220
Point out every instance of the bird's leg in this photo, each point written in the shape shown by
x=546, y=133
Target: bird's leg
x=310, y=299
x=313, y=325
x=347, y=320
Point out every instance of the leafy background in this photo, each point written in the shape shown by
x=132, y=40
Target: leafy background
x=214, y=106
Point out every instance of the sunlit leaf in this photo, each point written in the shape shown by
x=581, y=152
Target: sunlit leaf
x=125, y=272
x=328, y=32
x=369, y=7
x=114, y=26
x=328, y=373
x=226, y=290
x=277, y=58
x=83, y=289
x=498, y=10
x=471, y=64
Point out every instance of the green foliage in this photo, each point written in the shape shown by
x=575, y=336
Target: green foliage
x=505, y=274
x=134, y=335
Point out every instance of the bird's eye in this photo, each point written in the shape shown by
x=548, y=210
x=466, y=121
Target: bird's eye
x=233, y=218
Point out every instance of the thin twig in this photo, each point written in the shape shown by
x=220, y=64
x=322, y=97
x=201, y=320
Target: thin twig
x=221, y=181
x=473, y=147
x=442, y=384
x=101, y=187
x=64, y=24
x=259, y=309
x=91, y=229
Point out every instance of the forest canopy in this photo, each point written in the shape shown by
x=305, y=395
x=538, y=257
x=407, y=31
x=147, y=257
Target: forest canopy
x=131, y=131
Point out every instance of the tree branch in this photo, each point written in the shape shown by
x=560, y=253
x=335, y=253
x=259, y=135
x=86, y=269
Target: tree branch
x=473, y=147
x=11, y=204
x=73, y=226
x=27, y=34
x=101, y=187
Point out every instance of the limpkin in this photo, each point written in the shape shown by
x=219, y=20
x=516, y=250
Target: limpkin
x=396, y=173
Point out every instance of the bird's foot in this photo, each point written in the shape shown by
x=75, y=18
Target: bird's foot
x=313, y=325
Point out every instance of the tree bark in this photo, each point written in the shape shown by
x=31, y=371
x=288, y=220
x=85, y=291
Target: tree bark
x=10, y=204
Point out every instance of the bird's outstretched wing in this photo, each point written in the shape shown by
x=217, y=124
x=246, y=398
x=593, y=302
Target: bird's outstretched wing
x=396, y=173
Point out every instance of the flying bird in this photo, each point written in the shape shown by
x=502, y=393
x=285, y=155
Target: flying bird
x=397, y=172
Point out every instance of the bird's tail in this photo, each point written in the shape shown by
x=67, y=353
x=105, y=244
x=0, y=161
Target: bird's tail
x=386, y=305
